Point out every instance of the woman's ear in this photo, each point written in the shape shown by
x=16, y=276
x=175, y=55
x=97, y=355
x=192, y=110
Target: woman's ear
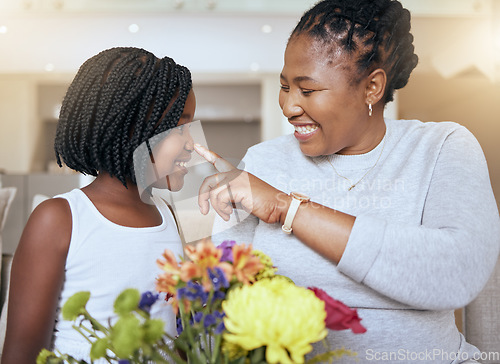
x=375, y=86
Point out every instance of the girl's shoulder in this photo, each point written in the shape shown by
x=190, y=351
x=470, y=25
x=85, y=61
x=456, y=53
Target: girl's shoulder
x=55, y=212
x=56, y=208
x=51, y=221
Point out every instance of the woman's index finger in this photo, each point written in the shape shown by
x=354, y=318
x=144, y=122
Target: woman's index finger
x=218, y=162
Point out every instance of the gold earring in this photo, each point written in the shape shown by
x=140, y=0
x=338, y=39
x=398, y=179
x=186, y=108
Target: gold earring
x=370, y=109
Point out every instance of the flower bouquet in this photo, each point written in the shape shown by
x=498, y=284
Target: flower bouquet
x=231, y=308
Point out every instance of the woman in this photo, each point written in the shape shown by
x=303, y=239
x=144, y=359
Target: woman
x=401, y=223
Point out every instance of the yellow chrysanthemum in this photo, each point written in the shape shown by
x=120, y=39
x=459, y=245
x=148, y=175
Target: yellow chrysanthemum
x=277, y=314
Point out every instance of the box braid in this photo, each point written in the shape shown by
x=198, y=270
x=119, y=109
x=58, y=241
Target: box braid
x=377, y=32
x=118, y=99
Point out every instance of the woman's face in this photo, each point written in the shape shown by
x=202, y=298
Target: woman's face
x=329, y=113
x=174, y=151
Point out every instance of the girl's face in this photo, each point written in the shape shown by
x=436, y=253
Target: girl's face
x=173, y=152
x=329, y=113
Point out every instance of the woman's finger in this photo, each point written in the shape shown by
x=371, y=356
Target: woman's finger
x=219, y=200
x=210, y=183
x=218, y=162
x=225, y=203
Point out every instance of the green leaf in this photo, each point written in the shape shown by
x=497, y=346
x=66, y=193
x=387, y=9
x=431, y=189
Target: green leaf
x=98, y=349
x=153, y=330
x=44, y=355
x=75, y=305
x=258, y=355
x=181, y=343
x=54, y=360
x=126, y=336
x=127, y=301
x=241, y=360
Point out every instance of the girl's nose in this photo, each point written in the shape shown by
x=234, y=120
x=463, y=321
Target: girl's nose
x=189, y=145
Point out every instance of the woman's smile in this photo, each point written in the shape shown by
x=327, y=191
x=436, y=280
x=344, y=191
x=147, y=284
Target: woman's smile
x=304, y=132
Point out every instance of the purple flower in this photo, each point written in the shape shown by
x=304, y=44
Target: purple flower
x=147, y=300
x=218, y=278
x=123, y=361
x=209, y=320
x=227, y=250
x=179, y=326
x=219, y=314
x=198, y=316
x=220, y=328
x=218, y=295
x=192, y=292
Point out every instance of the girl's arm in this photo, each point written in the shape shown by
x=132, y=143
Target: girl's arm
x=36, y=281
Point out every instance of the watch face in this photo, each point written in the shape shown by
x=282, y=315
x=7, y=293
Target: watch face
x=300, y=196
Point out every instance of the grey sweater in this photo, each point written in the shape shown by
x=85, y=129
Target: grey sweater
x=425, y=240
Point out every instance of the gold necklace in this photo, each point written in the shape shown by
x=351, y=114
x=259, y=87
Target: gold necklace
x=347, y=179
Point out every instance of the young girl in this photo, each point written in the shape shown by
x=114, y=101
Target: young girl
x=101, y=238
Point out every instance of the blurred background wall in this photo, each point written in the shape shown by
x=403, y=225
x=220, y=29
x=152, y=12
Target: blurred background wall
x=235, y=51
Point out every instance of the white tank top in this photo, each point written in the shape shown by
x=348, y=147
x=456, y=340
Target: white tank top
x=105, y=258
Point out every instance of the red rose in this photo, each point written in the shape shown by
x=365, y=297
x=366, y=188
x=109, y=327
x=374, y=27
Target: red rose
x=338, y=315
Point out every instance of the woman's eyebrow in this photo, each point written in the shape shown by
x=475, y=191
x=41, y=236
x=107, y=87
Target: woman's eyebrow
x=300, y=78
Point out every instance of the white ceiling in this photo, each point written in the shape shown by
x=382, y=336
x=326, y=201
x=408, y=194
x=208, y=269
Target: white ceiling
x=280, y=7
x=59, y=35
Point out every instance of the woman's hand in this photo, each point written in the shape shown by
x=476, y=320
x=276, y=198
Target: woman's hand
x=323, y=229
x=233, y=188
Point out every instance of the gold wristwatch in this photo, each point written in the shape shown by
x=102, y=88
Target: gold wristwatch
x=297, y=199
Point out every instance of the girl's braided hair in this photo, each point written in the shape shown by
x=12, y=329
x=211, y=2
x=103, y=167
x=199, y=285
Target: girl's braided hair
x=119, y=99
x=376, y=32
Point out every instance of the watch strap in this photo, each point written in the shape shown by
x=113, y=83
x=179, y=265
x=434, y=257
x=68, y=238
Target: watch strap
x=290, y=215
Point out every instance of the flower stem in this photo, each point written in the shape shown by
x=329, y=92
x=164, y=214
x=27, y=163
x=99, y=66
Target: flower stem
x=216, y=351
x=194, y=345
x=77, y=328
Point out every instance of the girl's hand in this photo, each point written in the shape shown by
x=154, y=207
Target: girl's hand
x=233, y=188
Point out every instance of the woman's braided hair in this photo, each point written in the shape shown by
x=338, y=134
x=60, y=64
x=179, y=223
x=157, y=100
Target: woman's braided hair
x=119, y=99
x=376, y=32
